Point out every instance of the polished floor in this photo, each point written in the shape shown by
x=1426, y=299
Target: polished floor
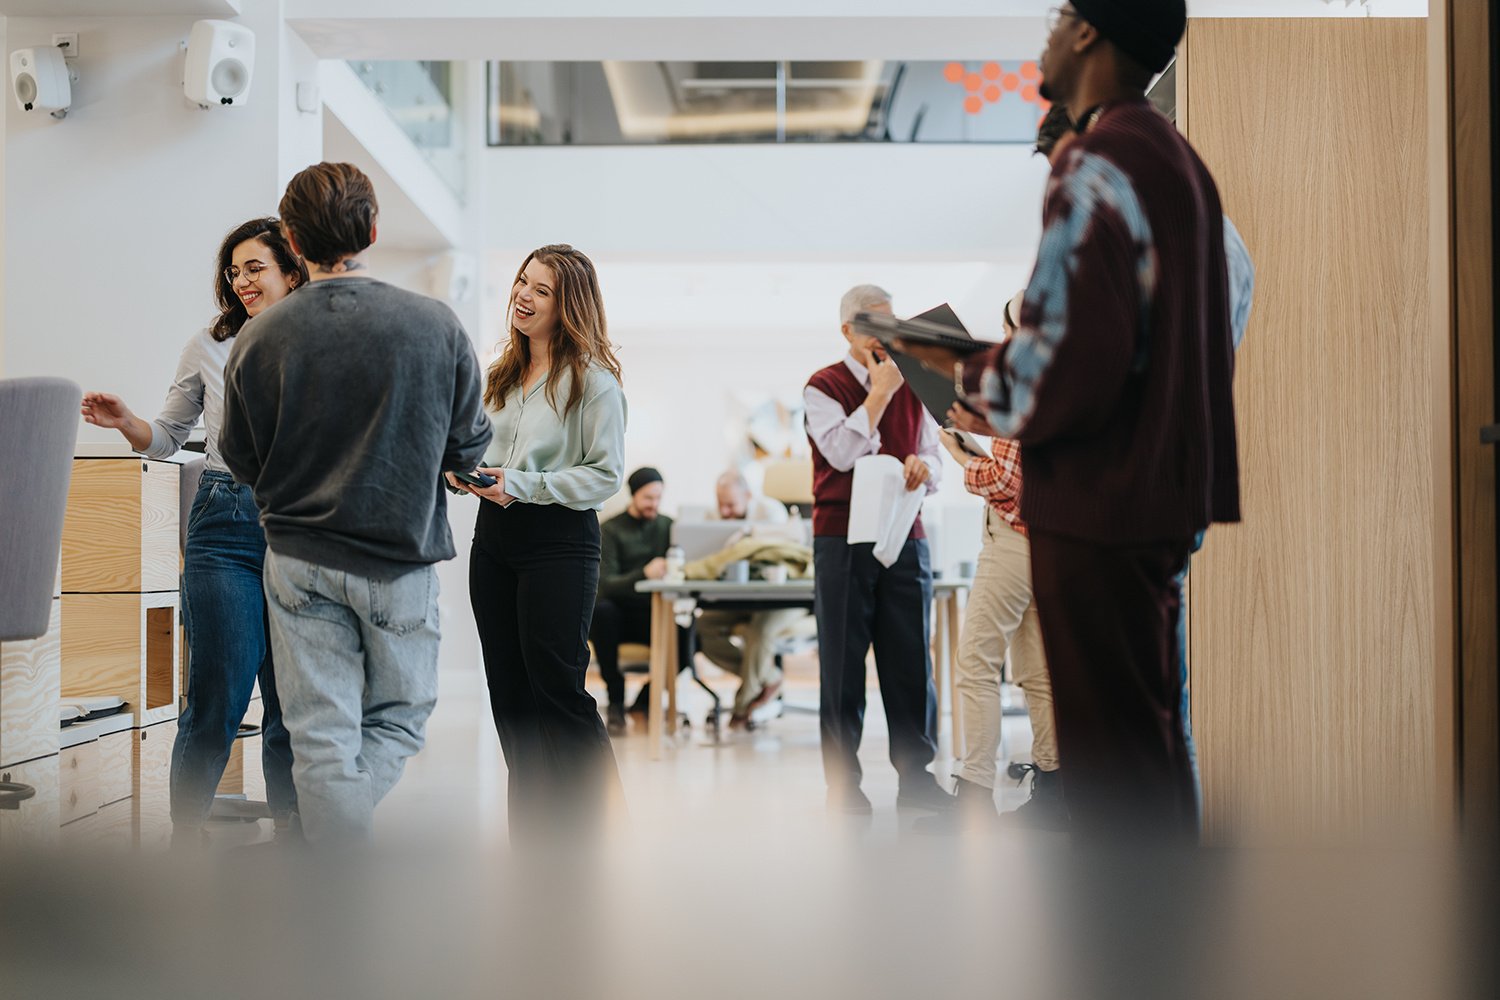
x=770, y=778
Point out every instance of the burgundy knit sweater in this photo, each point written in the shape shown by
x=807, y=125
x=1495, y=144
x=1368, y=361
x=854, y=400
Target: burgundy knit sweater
x=1118, y=383
x=900, y=435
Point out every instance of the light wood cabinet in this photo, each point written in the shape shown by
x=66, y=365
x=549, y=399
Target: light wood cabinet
x=121, y=530
x=126, y=645
x=35, y=822
x=30, y=675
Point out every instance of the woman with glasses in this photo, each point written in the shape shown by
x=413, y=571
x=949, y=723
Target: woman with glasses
x=223, y=602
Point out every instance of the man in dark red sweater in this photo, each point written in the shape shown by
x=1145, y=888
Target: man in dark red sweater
x=861, y=406
x=1117, y=385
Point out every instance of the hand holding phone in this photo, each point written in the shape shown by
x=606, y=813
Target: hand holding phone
x=478, y=479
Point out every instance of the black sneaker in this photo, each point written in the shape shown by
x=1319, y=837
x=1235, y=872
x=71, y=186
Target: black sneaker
x=614, y=720
x=926, y=794
x=850, y=801
x=1046, y=808
x=974, y=811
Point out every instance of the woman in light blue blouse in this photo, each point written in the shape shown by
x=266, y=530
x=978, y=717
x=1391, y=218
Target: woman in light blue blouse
x=558, y=452
x=222, y=595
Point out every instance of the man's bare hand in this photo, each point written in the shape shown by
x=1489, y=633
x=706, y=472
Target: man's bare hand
x=885, y=377
x=656, y=568
x=917, y=472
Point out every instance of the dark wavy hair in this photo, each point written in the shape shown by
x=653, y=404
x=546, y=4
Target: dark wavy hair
x=232, y=314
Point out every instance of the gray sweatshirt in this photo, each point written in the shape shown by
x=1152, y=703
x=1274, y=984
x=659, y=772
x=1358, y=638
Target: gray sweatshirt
x=343, y=403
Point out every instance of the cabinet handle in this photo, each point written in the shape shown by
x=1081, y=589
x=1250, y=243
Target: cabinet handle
x=12, y=794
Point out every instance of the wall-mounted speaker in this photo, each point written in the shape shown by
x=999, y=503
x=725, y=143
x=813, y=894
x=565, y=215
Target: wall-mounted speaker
x=220, y=63
x=39, y=79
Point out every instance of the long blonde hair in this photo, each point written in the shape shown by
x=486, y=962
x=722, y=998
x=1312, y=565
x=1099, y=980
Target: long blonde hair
x=581, y=340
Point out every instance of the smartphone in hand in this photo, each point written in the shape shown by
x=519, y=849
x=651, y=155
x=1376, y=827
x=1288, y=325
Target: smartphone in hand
x=478, y=479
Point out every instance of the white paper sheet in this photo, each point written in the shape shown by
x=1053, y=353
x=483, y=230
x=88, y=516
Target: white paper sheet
x=881, y=508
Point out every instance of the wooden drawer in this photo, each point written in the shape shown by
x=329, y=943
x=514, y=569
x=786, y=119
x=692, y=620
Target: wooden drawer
x=152, y=764
x=78, y=781
x=35, y=823
x=30, y=680
x=124, y=645
x=109, y=830
x=116, y=767
x=120, y=533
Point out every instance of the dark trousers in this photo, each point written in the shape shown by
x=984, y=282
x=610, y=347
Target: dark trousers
x=859, y=603
x=617, y=621
x=1109, y=618
x=533, y=575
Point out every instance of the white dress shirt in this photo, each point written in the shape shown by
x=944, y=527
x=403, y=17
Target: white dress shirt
x=845, y=438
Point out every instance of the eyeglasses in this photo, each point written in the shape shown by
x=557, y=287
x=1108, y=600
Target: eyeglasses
x=251, y=273
x=1055, y=17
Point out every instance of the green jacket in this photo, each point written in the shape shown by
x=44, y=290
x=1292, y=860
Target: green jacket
x=626, y=545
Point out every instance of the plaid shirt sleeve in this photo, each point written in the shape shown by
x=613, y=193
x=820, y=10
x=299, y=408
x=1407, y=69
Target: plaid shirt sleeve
x=997, y=478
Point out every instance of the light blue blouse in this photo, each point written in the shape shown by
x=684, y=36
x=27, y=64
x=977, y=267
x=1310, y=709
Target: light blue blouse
x=577, y=461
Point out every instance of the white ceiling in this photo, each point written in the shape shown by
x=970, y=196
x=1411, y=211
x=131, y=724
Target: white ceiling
x=118, y=8
x=403, y=226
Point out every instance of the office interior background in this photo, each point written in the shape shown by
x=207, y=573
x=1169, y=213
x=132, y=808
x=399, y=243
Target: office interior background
x=732, y=168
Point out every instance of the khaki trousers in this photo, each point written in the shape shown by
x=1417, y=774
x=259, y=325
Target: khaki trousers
x=1001, y=616
x=754, y=659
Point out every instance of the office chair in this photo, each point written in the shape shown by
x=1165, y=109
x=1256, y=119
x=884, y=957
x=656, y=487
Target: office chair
x=40, y=418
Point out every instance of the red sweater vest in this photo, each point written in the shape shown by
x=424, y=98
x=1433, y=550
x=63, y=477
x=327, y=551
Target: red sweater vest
x=900, y=433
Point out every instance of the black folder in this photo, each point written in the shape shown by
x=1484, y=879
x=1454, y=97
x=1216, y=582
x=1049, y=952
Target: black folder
x=939, y=326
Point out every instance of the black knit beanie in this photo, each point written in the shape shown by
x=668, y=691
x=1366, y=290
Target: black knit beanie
x=641, y=477
x=1146, y=30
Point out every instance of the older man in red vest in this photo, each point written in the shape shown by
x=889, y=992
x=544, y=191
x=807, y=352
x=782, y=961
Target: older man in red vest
x=857, y=407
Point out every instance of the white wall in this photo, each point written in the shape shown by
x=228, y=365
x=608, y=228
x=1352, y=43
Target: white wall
x=114, y=215
x=722, y=267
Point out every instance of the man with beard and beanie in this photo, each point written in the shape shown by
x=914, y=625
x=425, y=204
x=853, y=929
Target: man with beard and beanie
x=633, y=547
x=1118, y=386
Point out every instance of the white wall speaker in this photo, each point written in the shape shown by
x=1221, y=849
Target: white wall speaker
x=220, y=63
x=39, y=79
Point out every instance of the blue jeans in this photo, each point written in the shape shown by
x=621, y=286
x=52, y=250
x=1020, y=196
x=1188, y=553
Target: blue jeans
x=357, y=662
x=224, y=609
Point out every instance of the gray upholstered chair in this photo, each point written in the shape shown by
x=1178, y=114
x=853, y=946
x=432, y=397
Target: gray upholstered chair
x=40, y=421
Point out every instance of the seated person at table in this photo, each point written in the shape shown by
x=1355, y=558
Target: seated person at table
x=633, y=547
x=744, y=642
x=734, y=501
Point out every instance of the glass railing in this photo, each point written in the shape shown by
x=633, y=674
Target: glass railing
x=422, y=98
x=653, y=103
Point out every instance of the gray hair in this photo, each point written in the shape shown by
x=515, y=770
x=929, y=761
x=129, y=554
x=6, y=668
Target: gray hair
x=859, y=299
x=734, y=479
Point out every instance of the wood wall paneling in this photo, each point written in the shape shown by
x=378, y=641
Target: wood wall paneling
x=1312, y=622
x=29, y=690
x=1473, y=290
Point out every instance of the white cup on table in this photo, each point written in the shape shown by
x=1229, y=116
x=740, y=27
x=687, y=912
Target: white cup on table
x=774, y=573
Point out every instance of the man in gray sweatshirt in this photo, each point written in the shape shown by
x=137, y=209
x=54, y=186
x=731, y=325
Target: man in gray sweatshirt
x=343, y=405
